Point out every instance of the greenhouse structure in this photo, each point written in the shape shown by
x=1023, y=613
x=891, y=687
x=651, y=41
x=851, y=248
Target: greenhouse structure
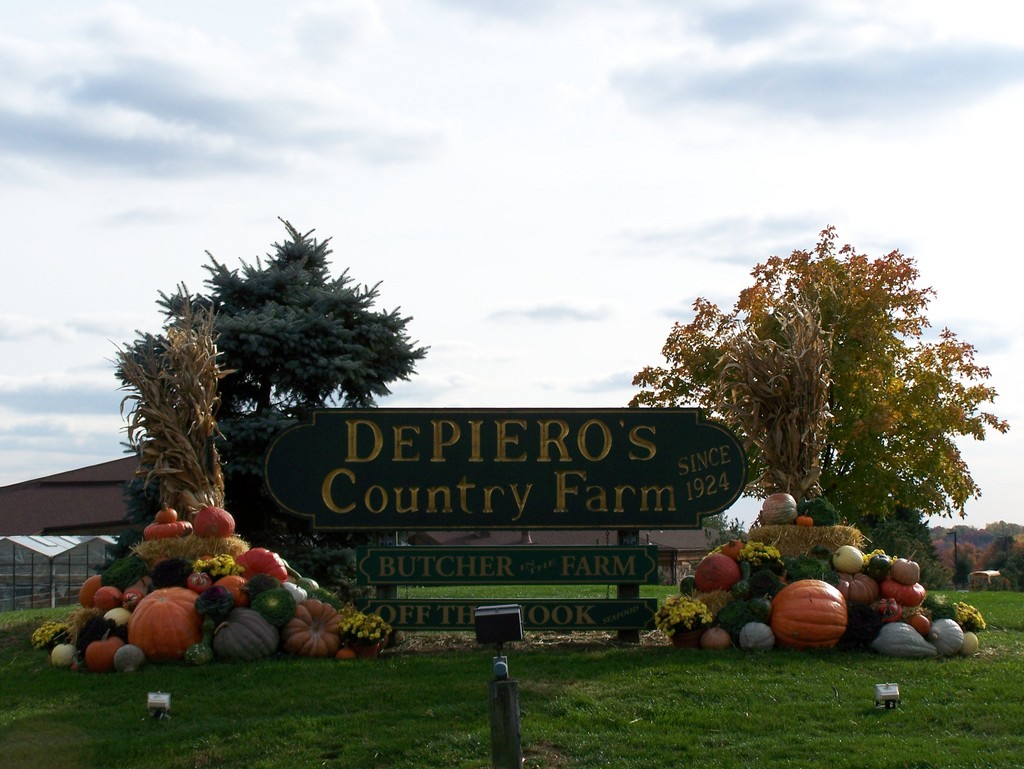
x=47, y=571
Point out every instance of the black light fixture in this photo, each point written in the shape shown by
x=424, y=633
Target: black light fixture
x=499, y=625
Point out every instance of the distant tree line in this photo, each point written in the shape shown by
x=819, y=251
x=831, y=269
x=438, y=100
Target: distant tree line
x=998, y=547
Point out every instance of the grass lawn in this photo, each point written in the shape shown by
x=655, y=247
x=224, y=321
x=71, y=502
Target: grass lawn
x=585, y=702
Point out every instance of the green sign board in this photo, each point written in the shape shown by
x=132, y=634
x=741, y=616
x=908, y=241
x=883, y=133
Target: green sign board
x=449, y=469
x=544, y=614
x=525, y=564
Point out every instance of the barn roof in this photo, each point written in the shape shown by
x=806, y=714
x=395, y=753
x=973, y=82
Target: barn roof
x=89, y=500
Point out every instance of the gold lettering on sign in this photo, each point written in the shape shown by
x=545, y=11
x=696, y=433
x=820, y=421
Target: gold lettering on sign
x=547, y=441
x=353, y=442
x=401, y=441
x=327, y=490
x=647, y=444
x=440, y=441
x=506, y=440
x=606, y=440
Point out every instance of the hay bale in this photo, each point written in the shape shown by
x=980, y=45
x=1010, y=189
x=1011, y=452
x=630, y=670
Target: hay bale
x=714, y=600
x=189, y=548
x=801, y=540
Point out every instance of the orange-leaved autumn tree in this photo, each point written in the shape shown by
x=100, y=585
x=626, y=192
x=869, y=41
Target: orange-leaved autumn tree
x=898, y=398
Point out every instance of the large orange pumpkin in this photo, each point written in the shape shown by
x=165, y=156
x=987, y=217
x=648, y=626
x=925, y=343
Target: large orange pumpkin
x=808, y=614
x=165, y=623
x=313, y=631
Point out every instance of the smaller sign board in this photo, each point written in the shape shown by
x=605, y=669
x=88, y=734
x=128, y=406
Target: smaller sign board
x=541, y=614
x=527, y=564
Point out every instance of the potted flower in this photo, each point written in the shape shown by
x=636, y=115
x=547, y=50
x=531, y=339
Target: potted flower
x=683, y=619
x=762, y=556
x=364, y=633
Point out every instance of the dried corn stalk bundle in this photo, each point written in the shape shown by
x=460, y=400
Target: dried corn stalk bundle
x=171, y=413
x=777, y=392
x=801, y=540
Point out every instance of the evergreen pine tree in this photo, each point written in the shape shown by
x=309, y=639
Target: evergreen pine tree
x=296, y=340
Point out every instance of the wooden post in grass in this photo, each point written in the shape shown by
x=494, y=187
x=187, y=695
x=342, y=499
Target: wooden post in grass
x=628, y=592
x=506, y=747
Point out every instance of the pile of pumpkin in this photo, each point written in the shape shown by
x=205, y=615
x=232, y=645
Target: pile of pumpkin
x=848, y=598
x=236, y=606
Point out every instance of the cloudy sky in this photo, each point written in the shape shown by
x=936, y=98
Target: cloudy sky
x=544, y=186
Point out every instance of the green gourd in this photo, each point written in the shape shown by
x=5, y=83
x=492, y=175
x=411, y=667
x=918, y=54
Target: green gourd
x=201, y=653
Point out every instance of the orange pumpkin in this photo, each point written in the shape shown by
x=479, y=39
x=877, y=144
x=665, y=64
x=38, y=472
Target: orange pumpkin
x=732, y=548
x=920, y=623
x=99, y=655
x=313, y=631
x=165, y=623
x=166, y=515
x=804, y=520
x=345, y=653
x=716, y=638
x=167, y=530
x=235, y=583
x=88, y=590
x=808, y=614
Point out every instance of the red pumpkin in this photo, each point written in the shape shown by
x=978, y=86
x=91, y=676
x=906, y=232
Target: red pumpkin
x=808, y=614
x=198, y=581
x=165, y=623
x=259, y=560
x=99, y=655
x=904, y=595
x=888, y=609
x=131, y=599
x=213, y=521
x=107, y=597
x=804, y=520
x=716, y=572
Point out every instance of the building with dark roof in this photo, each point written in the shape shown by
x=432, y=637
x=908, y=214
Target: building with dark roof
x=89, y=500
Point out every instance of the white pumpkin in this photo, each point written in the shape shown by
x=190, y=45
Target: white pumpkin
x=63, y=655
x=118, y=615
x=849, y=559
x=946, y=636
x=756, y=635
x=298, y=593
x=129, y=658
